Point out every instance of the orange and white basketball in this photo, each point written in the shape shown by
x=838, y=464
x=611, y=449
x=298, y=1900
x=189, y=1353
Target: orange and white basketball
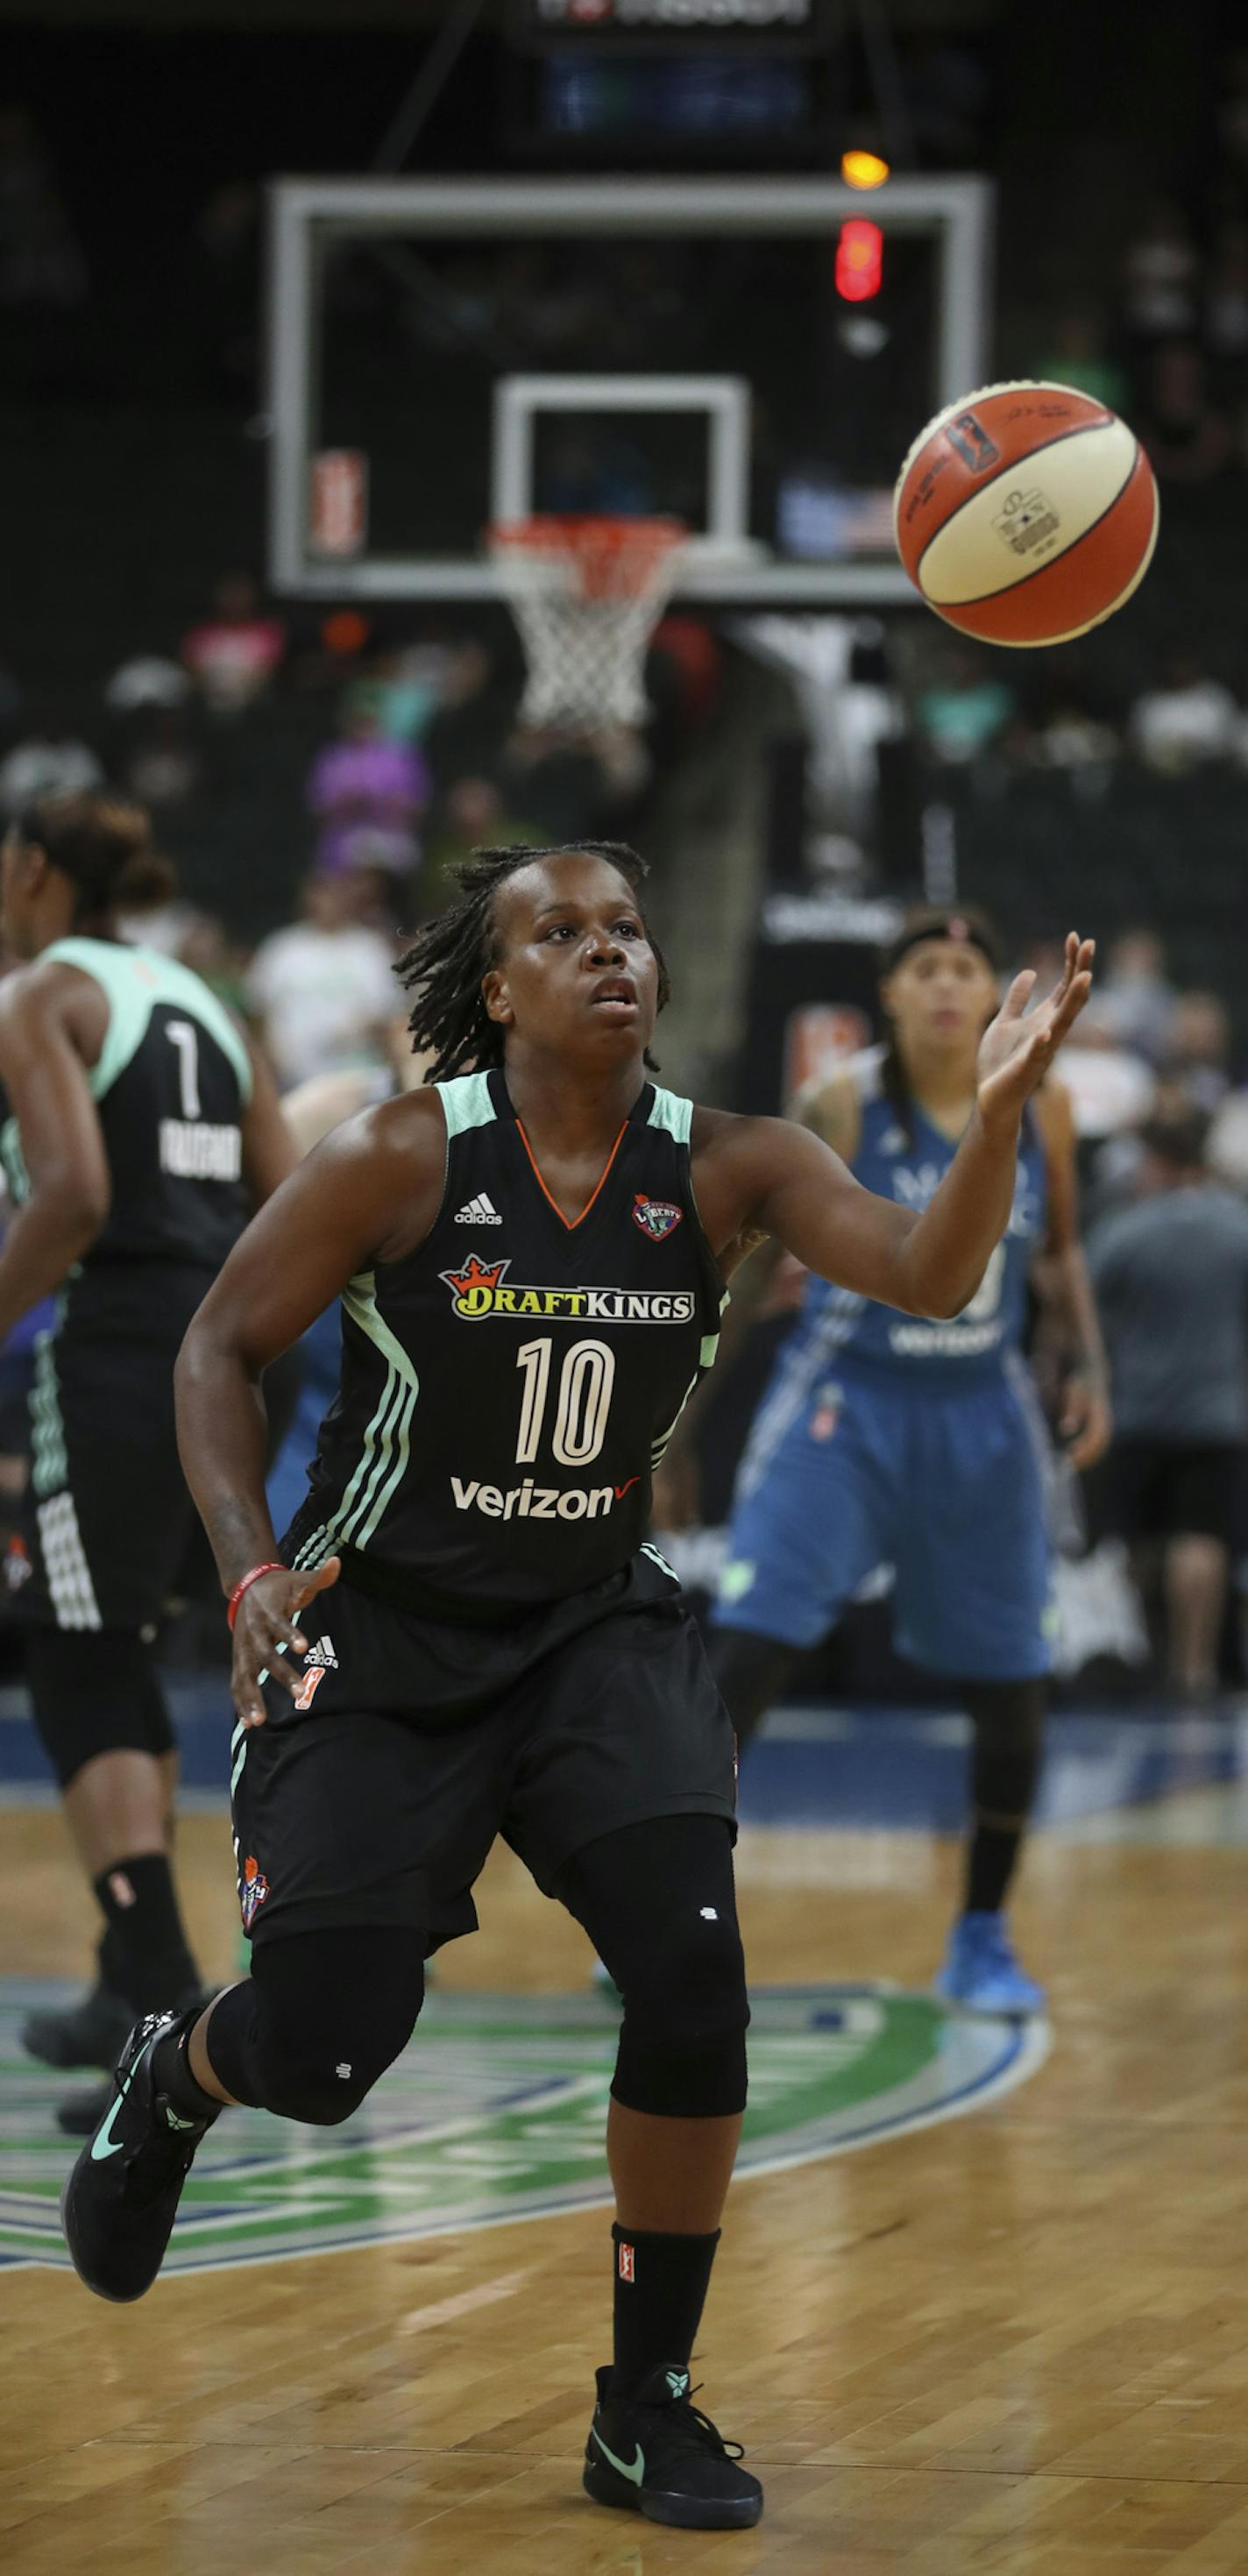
x=1026, y=514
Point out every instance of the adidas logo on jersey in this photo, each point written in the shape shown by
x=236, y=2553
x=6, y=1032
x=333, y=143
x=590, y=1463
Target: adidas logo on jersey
x=322, y=1653
x=479, y=1211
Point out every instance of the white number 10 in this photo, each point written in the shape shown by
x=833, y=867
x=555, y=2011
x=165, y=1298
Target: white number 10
x=586, y=1381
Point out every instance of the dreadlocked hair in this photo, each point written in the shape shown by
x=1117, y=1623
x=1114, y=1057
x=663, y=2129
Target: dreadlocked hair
x=448, y=959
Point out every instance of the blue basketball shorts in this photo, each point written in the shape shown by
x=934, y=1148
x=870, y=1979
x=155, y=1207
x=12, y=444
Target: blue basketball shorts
x=868, y=1470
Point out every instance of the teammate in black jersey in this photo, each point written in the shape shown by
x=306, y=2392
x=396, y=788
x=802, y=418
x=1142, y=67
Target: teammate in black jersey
x=531, y=1256
x=137, y=1134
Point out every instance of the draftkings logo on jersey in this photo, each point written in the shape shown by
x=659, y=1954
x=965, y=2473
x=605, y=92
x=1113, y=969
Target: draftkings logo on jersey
x=478, y=1290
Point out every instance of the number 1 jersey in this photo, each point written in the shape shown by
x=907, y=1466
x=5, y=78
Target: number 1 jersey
x=508, y=1388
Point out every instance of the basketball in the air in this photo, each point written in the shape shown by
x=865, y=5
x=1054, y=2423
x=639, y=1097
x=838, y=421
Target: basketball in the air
x=1026, y=514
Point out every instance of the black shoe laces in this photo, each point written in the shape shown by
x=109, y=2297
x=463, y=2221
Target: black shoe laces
x=700, y=2430
x=165, y=2155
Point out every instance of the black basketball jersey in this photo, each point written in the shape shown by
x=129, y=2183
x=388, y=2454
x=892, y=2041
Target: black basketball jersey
x=508, y=1388
x=170, y=1085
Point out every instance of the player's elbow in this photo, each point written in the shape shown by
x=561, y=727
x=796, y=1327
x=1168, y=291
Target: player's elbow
x=209, y=1345
x=933, y=1301
x=78, y=1204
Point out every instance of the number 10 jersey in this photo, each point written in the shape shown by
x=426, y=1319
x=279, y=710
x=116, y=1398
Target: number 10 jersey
x=509, y=1387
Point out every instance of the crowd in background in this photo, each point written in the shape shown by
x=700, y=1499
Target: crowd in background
x=408, y=745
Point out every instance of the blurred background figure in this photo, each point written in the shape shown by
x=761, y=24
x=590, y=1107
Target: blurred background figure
x=368, y=779
x=234, y=652
x=323, y=989
x=1171, y=1279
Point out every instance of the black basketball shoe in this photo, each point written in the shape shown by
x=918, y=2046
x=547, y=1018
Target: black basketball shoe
x=121, y=2199
x=81, y=2113
x=88, y=2033
x=656, y=2454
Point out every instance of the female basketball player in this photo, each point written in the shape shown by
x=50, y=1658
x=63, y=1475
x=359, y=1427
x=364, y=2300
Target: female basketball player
x=531, y=1259
x=141, y=1135
x=884, y=1441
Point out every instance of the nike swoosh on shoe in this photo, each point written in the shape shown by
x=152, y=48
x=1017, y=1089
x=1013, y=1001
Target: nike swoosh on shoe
x=104, y=2143
x=635, y=2471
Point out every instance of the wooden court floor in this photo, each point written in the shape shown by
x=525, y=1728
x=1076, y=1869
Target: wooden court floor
x=1015, y=2342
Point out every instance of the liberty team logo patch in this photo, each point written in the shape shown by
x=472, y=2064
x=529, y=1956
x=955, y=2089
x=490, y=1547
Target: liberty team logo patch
x=656, y=1217
x=253, y=1889
x=498, y=2111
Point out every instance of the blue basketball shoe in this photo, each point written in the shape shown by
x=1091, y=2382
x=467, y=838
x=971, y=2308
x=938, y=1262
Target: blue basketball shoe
x=981, y=1973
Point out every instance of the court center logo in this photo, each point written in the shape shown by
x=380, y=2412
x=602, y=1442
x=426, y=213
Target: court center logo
x=498, y=2111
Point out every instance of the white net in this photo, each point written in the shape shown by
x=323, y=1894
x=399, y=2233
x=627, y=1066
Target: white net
x=586, y=595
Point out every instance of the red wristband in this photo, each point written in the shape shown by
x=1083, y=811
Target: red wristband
x=244, y=1584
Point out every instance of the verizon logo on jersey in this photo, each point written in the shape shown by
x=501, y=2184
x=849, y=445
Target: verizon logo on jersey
x=531, y=1502
x=193, y=1151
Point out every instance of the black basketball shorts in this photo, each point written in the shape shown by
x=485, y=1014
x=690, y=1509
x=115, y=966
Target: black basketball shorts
x=375, y=1796
x=106, y=1518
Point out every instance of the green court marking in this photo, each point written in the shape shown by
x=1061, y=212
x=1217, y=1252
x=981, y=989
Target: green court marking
x=496, y=2112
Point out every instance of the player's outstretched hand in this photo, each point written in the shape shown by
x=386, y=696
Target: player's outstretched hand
x=266, y=1636
x=1018, y=1046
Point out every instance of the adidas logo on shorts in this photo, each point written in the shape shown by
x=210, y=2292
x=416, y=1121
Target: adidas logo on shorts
x=322, y=1654
x=479, y=1211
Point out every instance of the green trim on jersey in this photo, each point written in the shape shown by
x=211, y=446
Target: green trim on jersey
x=14, y=1162
x=466, y=1103
x=387, y=1441
x=668, y=1110
x=49, y=1464
x=134, y=980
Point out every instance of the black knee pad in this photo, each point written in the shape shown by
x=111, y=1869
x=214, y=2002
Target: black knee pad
x=1008, y=1719
x=324, y=2015
x=94, y=1690
x=751, y=1673
x=658, y=1902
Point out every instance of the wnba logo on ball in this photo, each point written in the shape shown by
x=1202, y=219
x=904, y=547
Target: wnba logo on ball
x=972, y=442
x=1017, y=560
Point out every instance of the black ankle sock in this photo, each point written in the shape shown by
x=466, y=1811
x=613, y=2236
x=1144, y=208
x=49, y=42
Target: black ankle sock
x=660, y=2290
x=990, y=1866
x=171, y=2067
x=110, y=1960
x=140, y=1906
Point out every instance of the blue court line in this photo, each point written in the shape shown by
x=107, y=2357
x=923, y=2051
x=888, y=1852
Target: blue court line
x=857, y=1769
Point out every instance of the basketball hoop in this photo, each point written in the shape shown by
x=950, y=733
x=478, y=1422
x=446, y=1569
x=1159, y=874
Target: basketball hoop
x=586, y=594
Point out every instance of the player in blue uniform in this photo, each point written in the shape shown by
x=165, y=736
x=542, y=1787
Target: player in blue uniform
x=890, y=1439
x=531, y=1254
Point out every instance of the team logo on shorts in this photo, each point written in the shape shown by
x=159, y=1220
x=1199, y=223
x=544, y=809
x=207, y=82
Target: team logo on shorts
x=827, y=1413
x=17, y=1565
x=253, y=1891
x=656, y=1217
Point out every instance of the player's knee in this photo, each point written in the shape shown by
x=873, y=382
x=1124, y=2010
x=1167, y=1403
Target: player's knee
x=1008, y=1717
x=751, y=1672
x=682, y=2042
x=333, y=2011
x=93, y=1691
x=1008, y=1722
x=658, y=1902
